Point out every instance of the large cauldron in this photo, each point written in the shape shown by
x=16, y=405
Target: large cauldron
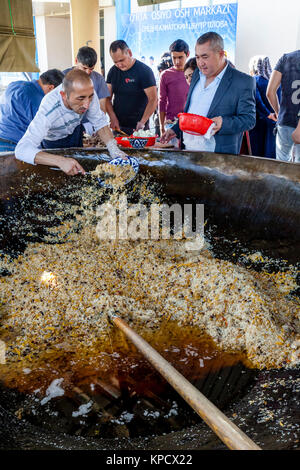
x=254, y=199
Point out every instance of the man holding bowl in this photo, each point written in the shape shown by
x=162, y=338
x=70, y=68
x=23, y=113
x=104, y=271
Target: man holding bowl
x=221, y=93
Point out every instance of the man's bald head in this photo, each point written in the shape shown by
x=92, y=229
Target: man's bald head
x=75, y=78
x=77, y=91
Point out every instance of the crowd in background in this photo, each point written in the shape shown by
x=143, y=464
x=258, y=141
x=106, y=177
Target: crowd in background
x=262, y=138
x=263, y=104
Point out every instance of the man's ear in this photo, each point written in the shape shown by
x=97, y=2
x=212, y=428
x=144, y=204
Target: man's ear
x=188, y=54
x=47, y=88
x=76, y=60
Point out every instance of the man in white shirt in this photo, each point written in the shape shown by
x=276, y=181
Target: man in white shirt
x=201, y=99
x=221, y=93
x=58, y=124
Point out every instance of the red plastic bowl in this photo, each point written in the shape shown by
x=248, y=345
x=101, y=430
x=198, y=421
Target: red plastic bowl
x=194, y=124
x=123, y=141
x=128, y=141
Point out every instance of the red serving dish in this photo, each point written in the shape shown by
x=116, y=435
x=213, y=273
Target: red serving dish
x=136, y=142
x=194, y=124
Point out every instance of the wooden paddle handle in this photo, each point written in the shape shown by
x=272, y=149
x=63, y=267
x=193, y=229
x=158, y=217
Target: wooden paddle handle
x=121, y=132
x=228, y=432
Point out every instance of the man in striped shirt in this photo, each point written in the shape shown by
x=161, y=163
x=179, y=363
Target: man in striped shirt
x=58, y=124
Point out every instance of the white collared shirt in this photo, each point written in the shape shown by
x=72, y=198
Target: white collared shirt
x=200, y=103
x=54, y=121
x=202, y=97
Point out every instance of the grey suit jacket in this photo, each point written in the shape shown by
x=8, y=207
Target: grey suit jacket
x=235, y=102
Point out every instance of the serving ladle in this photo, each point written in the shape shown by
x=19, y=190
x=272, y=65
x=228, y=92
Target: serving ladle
x=119, y=161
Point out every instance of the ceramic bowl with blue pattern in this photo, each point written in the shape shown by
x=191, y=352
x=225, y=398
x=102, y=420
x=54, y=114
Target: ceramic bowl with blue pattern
x=133, y=162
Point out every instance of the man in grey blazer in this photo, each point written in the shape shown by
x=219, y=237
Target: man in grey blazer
x=221, y=93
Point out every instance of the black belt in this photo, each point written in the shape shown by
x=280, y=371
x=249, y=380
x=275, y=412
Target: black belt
x=7, y=141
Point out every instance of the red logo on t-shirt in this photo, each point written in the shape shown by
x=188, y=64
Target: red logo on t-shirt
x=129, y=80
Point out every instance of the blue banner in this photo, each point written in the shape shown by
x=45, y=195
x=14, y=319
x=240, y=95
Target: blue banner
x=122, y=10
x=151, y=33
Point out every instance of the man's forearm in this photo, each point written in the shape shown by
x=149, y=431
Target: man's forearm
x=273, y=100
x=162, y=117
x=45, y=158
x=109, y=108
x=149, y=110
x=70, y=166
x=105, y=134
x=273, y=85
x=114, y=122
x=107, y=137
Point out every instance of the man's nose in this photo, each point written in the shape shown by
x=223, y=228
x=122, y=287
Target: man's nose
x=86, y=103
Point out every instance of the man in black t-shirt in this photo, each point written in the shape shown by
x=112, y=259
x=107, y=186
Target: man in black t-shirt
x=133, y=89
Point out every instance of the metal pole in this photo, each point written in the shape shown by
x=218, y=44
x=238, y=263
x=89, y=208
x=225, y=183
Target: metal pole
x=230, y=434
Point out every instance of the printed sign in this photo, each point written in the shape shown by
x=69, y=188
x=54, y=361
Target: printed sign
x=151, y=33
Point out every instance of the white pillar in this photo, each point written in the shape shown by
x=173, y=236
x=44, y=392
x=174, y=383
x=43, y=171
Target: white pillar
x=41, y=40
x=85, y=28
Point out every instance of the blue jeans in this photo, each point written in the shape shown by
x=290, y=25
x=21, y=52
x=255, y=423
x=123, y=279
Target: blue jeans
x=296, y=153
x=7, y=146
x=284, y=143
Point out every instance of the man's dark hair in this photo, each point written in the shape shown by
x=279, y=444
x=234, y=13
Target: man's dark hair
x=216, y=41
x=118, y=44
x=179, y=46
x=73, y=76
x=190, y=64
x=166, y=62
x=52, y=77
x=87, y=56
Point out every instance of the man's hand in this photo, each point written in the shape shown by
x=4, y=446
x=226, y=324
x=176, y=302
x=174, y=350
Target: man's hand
x=114, y=123
x=70, y=166
x=273, y=117
x=114, y=150
x=107, y=137
x=139, y=125
x=296, y=134
x=167, y=136
x=218, y=124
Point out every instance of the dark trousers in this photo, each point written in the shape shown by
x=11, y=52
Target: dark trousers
x=262, y=138
x=72, y=140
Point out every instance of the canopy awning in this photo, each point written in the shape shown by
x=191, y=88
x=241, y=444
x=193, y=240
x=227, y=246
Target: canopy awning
x=17, y=40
